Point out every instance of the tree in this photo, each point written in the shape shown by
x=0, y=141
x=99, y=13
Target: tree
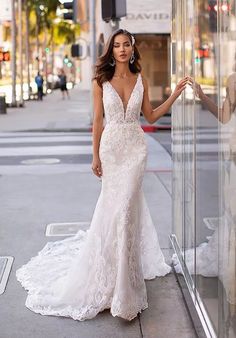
x=43, y=15
x=48, y=30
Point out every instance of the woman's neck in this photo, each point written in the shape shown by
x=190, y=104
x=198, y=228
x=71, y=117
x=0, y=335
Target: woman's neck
x=122, y=70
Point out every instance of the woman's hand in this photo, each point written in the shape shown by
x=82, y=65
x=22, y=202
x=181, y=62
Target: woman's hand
x=97, y=166
x=197, y=89
x=181, y=85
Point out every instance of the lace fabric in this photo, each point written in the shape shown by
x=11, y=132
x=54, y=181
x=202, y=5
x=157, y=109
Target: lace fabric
x=106, y=266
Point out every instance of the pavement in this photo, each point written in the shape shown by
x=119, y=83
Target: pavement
x=53, y=113
x=45, y=177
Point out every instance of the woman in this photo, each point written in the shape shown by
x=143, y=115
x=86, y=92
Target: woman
x=63, y=84
x=105, y=267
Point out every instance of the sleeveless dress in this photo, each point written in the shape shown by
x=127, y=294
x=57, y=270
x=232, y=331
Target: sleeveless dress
x=105, y=266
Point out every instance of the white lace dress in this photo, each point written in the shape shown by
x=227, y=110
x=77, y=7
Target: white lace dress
x=105, y=266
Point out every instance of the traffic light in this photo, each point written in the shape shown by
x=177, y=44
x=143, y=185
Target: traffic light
x=212, y=8
x=223, y=9
x=202, y=53
x=76, y=50
x=70, y=10
x=66, y=59
x=113, y=9
x=4, y=56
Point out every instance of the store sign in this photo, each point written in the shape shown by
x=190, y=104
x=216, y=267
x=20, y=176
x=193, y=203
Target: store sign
x=147, y=22
x=148, y=16
x=5, y=12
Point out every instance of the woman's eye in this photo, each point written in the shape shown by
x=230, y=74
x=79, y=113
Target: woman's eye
x=125, y=45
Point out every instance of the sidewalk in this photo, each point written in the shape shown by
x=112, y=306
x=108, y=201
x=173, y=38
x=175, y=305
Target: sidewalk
x=56, y=114
x=51, y=114
x=32, y=196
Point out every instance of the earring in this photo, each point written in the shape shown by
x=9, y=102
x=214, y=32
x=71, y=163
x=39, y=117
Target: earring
x=112, y=62
x=131, y=60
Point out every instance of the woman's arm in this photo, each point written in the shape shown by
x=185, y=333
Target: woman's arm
x=152, y=115
x=97, y=127
x=223, y=114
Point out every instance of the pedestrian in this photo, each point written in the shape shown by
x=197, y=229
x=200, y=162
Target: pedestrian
x=106, y=266
x=39, y=83
x=63, y=84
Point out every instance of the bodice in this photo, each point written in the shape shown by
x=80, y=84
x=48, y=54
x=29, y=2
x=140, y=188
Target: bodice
x=113, y=106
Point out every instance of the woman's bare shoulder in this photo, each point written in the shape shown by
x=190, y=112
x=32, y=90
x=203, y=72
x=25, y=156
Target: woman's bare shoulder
x=144, y=80
x=96, y=87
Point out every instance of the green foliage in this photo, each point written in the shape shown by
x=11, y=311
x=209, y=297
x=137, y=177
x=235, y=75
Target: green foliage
x=49, y=5
x=43, y=14
x=65, y=33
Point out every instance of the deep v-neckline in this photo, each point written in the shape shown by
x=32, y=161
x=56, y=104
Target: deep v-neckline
x=121, y=101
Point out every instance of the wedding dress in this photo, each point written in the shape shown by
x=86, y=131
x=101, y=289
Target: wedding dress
x=105, y=266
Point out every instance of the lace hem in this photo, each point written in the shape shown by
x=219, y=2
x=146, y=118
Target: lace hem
x=88, y=312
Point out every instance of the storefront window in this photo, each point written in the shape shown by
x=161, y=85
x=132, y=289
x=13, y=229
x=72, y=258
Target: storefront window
x=204, y=159
x=227, y=220
x=155, y=47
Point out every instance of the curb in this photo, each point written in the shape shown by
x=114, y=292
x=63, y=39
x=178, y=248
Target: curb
x=46, y=130
x=146, y=129
x=153, y=129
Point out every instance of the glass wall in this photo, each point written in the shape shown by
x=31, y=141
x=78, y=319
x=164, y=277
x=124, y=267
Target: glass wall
x=204, y=159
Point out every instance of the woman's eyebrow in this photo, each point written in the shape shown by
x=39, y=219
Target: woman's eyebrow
x=127, y=41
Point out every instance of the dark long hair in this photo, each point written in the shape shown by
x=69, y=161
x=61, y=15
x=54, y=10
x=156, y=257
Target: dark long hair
x=103, y=70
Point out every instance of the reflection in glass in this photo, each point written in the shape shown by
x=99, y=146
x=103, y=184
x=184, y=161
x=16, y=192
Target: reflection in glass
x=204, y=157
x=224, y=236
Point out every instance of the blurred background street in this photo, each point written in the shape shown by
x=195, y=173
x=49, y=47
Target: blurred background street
x=48, y=190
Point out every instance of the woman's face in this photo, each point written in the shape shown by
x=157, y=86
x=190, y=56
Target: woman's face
x=122, y=48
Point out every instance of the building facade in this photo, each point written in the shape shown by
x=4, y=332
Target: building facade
x=150, y=23
x=204, y=159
